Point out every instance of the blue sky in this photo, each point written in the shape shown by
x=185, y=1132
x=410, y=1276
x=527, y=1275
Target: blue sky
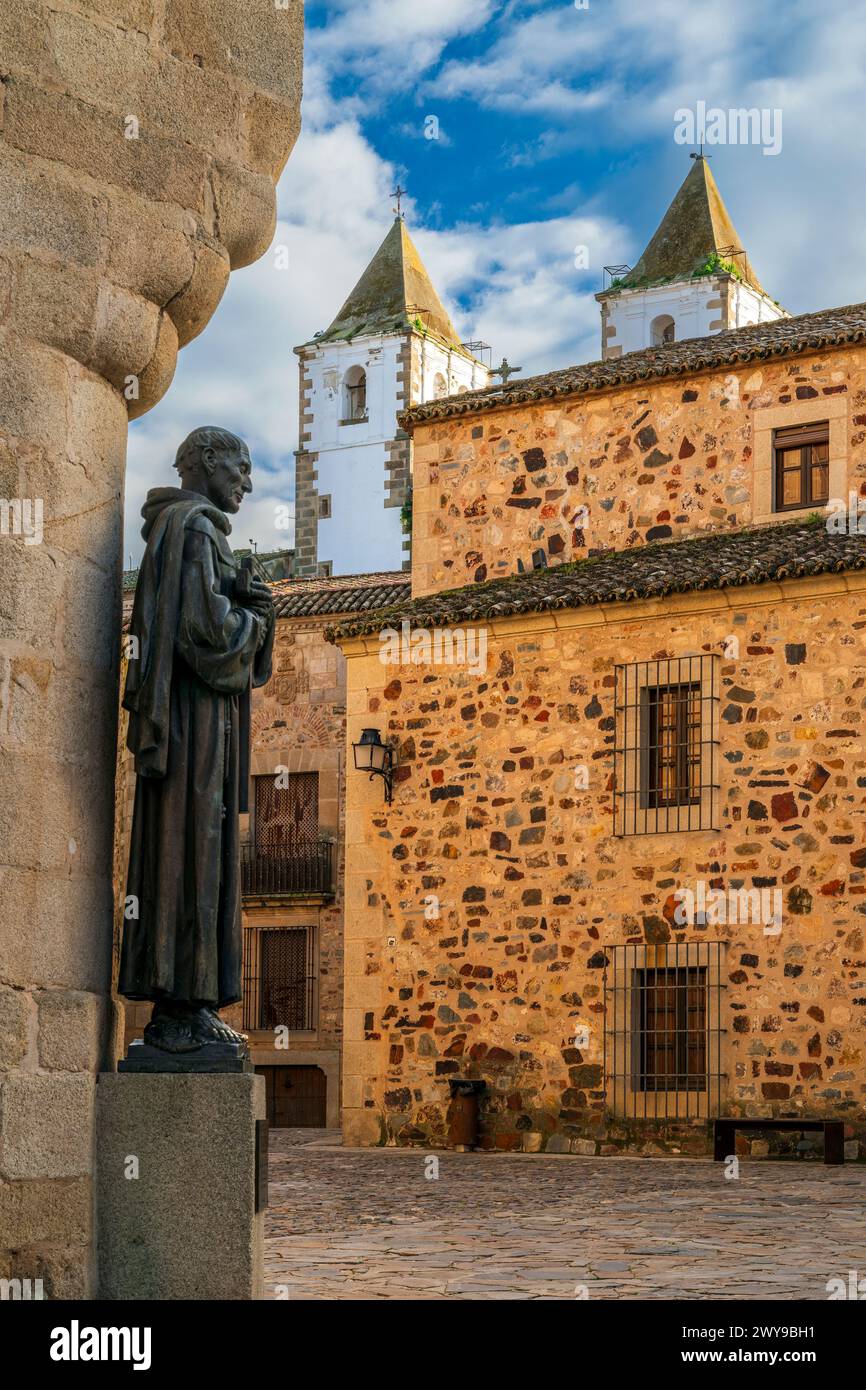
x=556, y=130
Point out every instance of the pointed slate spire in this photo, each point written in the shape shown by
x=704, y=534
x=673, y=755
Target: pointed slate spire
x=696, y=226
x=393, y=294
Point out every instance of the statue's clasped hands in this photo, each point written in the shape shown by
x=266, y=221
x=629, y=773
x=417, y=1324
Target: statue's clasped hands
x=259, y=598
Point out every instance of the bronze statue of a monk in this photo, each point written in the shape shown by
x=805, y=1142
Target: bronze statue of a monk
x=202, y=633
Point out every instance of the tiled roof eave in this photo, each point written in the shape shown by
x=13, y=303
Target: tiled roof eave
x=760, y=342
x=295, y=603
x=759, y=556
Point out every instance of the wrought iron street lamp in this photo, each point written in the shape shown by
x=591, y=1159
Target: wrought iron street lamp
x=375, y=757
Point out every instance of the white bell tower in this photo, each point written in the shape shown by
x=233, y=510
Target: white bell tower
x=392, y=345
x=693, y=279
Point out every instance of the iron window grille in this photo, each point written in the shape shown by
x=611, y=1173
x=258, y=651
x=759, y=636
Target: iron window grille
x=287, y=855
x=666, y=757
x=663, y=1030
x=801, y=466
x=286, y=817
x=280, y=978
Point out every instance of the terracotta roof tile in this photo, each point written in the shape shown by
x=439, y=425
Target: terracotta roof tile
x=782, y=338
x=345, y=593
x=719, y=560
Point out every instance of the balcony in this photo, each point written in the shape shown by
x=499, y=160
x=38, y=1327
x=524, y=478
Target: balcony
x=298, y=871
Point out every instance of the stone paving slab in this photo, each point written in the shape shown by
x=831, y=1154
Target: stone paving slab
x=367, y=1224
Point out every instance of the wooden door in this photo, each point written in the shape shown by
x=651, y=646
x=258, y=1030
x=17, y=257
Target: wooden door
x=296, y=1097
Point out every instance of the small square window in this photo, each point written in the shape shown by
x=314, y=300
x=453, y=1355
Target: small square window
x=325, y=569
x=324, y=506
x=666, y=751
x=801, y=467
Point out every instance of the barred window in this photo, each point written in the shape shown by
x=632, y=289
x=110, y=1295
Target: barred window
x=666, y=748
x=663, y=1030
x=671, y=716
x=280, y=978
x=671, y=1027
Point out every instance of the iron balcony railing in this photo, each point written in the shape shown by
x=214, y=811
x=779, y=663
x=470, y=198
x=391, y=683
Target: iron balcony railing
x=272, y=871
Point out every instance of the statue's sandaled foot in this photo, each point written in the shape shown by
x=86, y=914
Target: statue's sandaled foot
x=170, y=1030
x=208, y=1027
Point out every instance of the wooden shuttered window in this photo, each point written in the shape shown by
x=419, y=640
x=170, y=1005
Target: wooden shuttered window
x=801, y=458
x=671, y=1033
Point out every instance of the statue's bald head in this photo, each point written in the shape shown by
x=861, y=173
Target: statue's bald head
x=188, y=458
x=217, y=464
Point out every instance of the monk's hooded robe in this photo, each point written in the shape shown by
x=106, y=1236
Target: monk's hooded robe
x=188, y=696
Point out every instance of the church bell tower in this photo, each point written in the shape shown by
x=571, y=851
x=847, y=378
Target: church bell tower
x=693, y=279
x=391, y=345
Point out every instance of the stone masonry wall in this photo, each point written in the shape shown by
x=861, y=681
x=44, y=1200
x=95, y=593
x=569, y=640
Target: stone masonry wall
x=299, y=722
x=530, y=886
x=501, y=492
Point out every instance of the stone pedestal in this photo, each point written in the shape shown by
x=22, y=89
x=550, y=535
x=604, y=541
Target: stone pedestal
x=186, y=1227
x=210, y=1057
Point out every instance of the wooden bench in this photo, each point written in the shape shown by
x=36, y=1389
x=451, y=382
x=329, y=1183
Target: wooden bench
x=724, y=1135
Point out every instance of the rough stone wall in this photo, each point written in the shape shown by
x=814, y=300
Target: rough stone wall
x=397, y=460
x=299, y=722
x=530, y=886
x=139, y=145
x=503, y=492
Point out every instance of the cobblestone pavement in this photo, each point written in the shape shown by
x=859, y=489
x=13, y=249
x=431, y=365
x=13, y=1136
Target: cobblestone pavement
x=367, y=1224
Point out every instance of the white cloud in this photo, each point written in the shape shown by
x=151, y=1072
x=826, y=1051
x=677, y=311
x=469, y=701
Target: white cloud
x=521, y=288
x=242, y=373
x=517, y=284
x=387, y=46
x=532, y=67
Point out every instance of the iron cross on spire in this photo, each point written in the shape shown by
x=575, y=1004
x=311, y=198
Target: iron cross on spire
x=505, y=370
x=399, y=193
